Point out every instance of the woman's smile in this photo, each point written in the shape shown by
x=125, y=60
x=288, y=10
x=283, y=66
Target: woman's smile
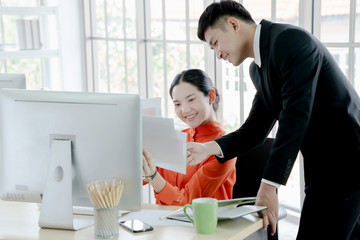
x=190, y=117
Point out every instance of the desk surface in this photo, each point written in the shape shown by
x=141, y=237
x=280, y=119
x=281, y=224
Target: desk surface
x=20, y=221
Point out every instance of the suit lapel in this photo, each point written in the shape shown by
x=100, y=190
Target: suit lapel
x=256, y=75
x=264, y=55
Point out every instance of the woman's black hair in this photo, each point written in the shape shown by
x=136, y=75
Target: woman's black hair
x=200, y=80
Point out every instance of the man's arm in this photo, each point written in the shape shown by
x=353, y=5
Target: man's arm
x=297, y=66
x=250, y=135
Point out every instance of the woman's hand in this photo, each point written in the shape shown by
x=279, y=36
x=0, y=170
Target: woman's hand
x=148, y=164
x=158, y=183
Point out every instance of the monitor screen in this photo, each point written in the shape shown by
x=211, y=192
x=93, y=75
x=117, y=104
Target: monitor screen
x=12, y=80
x=105, y=134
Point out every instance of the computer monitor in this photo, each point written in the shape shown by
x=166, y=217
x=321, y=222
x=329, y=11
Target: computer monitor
x=90, y=136
x=12, y=80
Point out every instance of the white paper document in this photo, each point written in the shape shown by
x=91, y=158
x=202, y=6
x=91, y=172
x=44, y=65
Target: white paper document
x=167, y=146
x=154, y=218
x=151, y=107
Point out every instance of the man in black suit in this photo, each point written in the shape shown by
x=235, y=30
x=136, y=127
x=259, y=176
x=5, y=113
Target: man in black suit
x=299, y=85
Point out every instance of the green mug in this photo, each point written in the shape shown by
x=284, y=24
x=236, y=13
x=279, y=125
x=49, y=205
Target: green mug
x=205, y=211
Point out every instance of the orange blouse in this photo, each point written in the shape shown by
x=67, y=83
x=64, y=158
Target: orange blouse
x=207, y=179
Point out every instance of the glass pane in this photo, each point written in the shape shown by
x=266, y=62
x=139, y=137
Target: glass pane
x=290, y=194
x=100, y=47
x=158, y=84
x=53, y=70
x=357, y=70
x=156, y=19
x=49, y=35
x=249, y=89
x=130, y=18
x=341, y=56
x=1, y=35
x=132, y=67
x=115, y=19
x=197, y=56
x=99, y=18
x=195, y=10
x=175, y=62
x=49, y=3
x=175, y=20
x=18, y=3
x=10, y=33
x=30, y=67
x=230, y=97
x=258, y=9
x=334, y=25
x=117, y=67
x=287, y=11
x=357, y=22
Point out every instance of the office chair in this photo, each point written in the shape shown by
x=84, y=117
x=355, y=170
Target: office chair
x=249, y=171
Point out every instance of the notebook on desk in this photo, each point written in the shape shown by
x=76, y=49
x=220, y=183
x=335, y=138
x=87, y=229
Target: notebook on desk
x=223, y=213
x=228, y=209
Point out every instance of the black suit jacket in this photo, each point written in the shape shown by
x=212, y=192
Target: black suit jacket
x=301, y=86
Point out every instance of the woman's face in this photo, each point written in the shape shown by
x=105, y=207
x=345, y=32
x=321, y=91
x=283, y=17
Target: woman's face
x=191, y=105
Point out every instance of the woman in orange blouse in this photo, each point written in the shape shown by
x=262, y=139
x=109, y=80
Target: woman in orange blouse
x=195, y=101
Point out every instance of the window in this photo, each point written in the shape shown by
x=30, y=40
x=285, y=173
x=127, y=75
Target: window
x=236, y=85
x=337, y=26
x=112, y=39
x=158, y=40
x=165, y=45
x=40, y=65
x=138, y=58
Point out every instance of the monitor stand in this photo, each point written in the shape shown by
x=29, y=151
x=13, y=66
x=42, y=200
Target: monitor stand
x=56, y=208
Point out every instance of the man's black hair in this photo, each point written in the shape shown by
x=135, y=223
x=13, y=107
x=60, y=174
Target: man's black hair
x=217, y=10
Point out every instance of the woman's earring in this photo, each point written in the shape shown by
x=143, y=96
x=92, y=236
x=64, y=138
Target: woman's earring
x=212, y=96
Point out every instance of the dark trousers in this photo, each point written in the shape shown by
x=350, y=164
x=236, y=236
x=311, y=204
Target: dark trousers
x=327, y=216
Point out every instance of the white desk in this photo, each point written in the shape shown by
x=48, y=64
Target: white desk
x=20, y=221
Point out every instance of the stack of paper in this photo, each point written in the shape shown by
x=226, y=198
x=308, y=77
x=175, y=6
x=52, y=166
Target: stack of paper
x=167, y=146
x=228, y=209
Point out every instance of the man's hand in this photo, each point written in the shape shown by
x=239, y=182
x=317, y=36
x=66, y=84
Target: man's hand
x=267, y=197
x=196, y=153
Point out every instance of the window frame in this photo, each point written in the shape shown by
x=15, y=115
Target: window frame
x=309, y=19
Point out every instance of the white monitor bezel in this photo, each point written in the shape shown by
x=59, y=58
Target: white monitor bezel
x=123, y=106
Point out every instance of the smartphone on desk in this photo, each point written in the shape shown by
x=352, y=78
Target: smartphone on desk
x=136, y=225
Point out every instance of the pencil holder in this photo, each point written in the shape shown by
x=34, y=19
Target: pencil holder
x=106, y=223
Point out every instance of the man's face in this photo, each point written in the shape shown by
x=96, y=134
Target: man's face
x=228, y=42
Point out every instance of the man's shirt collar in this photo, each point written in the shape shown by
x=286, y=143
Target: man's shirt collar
x=257, y=58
